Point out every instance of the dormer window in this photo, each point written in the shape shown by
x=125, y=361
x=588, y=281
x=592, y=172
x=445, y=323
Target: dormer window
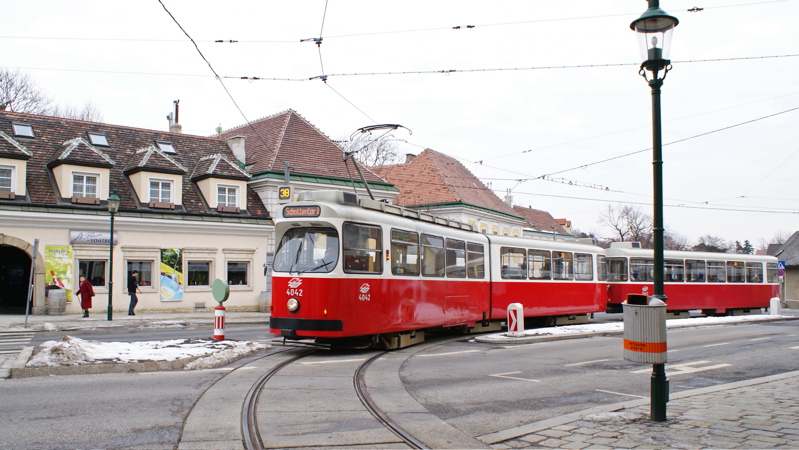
x=161, y=191
x=84, y=185
x=166, y=147
x=22, y=129
x=6, y=183
x=98, y=139
x=227, y=196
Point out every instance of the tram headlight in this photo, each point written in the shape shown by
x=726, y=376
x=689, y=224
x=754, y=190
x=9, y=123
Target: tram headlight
x=293, y=304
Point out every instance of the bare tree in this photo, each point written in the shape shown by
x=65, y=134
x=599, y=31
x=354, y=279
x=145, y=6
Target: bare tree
x=713, y=244
x=673, y=241
x=20, y=94
x=629, y=224
x=89, y=112
x=373, y=152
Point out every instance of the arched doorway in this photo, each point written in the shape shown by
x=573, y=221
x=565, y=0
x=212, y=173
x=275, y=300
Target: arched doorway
x=15, y=272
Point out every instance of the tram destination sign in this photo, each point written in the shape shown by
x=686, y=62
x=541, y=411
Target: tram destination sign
x=302, y=211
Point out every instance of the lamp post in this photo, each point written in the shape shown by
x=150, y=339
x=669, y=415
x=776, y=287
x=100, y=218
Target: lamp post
x=113, y=207
x=654, y=29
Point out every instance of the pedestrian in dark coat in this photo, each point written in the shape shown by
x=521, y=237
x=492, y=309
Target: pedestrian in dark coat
x=85, y=292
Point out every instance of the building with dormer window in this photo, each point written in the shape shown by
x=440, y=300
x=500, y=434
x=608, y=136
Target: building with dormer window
x=187, y=216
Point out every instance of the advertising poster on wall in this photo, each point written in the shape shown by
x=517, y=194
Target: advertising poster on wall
x=58, y=268
x=171, y=275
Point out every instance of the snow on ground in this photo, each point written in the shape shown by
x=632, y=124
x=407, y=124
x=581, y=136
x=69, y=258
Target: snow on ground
x=618, y=327
x=72, y=351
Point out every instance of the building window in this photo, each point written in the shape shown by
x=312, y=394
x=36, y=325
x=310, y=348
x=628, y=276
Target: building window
x=227, y=196
x=84, y=185
x=22, y=129
x=237, y=273
x=98, y=139
x=94, y=271
x=166, y=147
x=6, y=179
x=145, y=269
x=161, y=191
x=199, y=273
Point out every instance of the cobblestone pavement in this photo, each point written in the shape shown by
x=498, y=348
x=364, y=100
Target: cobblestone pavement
x=760, y=413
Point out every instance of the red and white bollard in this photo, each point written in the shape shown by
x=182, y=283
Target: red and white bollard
x=515, y=320
x=219, y=323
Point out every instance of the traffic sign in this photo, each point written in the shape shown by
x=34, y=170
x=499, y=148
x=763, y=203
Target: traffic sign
x=782, y=264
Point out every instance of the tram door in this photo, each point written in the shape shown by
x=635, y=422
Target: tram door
x=15, y=270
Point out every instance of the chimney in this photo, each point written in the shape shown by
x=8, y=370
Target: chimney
x=175, y=126
x=409, y=157
x=509, y=199
x=236, y=145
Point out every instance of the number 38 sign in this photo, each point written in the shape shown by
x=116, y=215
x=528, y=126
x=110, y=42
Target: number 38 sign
x=284, y=194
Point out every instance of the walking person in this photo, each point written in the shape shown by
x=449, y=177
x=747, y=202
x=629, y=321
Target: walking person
x=133, y=288
x=85, y=292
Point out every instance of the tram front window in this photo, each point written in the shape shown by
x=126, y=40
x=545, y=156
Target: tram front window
x=307, y=250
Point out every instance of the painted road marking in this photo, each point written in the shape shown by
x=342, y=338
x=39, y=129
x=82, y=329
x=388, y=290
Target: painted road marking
x=587, y=362
x=680, y=369
x=619, y=393
x=449, y=353
x=505, y=375
x=715, y=345
x=794, y=348
x=760, y=339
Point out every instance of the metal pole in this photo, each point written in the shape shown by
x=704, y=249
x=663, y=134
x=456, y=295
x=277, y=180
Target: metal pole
x=659, y=382
x=111, y=270
x=30, y=281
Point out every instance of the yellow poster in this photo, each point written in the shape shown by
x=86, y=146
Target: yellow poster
x=58, y=268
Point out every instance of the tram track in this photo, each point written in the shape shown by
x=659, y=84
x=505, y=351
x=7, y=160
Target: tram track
x=252, y=433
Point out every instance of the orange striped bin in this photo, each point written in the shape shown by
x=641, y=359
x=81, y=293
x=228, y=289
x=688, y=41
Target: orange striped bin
x=645, y=332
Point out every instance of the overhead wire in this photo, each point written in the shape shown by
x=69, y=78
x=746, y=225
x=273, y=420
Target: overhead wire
x=214, y=72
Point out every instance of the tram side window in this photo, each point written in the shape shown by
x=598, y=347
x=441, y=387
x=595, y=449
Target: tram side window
x=563, y=265
x=736, y=272
x=539, y=262
x=601, y=268
x=433, y=260
x=363, y=246
x=617, y=269
x=716, y=272
x=512, y=263
x=641, y=269
x=772, y=271
x=673, y=270
x=754, y=272
x=475, y=264
x=583, y=267
x=694, y=271
x=404, y=253
x=456, y=259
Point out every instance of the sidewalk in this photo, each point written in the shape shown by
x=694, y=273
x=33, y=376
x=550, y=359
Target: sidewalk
x=758, y=413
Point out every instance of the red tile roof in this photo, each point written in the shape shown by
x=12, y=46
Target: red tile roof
x=434, y=178
x=287, y=136
x=540, y=220
x=60, y=140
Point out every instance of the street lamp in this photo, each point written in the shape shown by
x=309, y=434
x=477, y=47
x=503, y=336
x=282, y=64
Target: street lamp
x=654, y=29
x=113, y=207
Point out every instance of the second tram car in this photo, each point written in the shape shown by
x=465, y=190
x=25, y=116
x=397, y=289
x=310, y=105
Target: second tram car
x=716, y=283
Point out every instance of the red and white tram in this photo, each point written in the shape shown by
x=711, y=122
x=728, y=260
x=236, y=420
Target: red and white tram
x=347, y=268
x=716, y=283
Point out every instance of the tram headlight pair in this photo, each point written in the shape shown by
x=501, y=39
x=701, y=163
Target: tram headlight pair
x=293, y=304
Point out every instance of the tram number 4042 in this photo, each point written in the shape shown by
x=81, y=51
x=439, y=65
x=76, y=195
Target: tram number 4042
x=364, y=297
x=294, y=292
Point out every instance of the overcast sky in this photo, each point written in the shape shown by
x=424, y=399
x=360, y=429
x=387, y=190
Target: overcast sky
x=569, y=95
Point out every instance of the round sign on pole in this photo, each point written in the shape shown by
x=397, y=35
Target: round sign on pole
x=221, y=290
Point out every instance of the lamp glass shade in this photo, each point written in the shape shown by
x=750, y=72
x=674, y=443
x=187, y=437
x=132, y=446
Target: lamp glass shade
x=654, y=29
x=113, y=202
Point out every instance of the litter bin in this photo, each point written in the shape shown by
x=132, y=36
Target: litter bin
x=56, y=302
x=645, y=331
